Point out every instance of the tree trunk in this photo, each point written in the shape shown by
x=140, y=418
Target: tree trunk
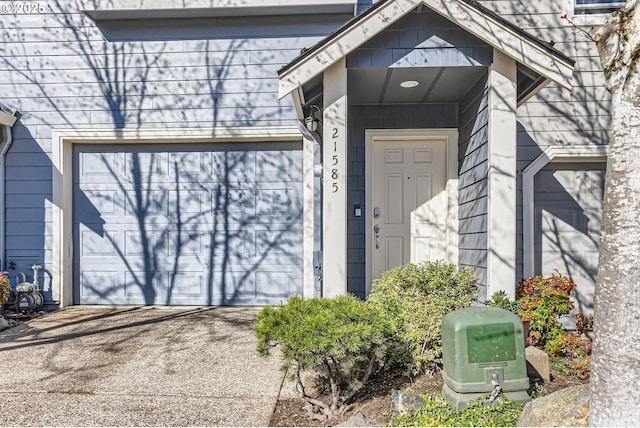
x=615, y=369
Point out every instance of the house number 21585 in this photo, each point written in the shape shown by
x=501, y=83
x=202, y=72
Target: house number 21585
x=334, y=161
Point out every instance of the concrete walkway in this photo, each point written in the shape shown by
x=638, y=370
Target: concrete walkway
x=134, y=366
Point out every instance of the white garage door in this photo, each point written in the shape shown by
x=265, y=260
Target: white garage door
x=568, y=207
x=187, y=224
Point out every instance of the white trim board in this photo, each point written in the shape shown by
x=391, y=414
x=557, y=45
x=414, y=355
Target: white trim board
x=126, y=9
x=551, y=154
x=62, y=173
x=451, y=187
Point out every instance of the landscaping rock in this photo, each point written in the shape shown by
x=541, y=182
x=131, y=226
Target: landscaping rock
x=3, y=324
x=403, y=402
x=568, y=407
x=312, y=386
x=537, y=363
x=357, y=420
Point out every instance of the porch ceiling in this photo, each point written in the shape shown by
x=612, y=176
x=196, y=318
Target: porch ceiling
x=435, y=84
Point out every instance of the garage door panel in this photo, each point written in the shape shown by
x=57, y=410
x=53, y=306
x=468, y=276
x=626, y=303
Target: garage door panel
x=135, y=243
x=105, y=243
x=145, y=203
x=187, y=283
x=104, y=201
x=276, y=241
x=101, y=283
x=187, y=243
x=275, y=201
x=236, y=200
x=189, y=163
x=193, y=224
x=278, y=166
x=187, y=201
x=274, y=284
x=101, y=165
x=232, y=162
x=139, y=283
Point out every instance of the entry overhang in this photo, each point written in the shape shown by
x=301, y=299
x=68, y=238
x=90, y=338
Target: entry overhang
x=539, y=57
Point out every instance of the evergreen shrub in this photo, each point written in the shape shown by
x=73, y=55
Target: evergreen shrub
x=342, y=340
x=416, y=297
x=499, y=299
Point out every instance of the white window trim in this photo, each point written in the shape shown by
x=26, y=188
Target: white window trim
x=586, y=19
x=62, y=182
x=551, y=154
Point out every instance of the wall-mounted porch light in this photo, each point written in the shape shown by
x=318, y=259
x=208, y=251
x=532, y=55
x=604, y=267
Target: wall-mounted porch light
x=312, y=121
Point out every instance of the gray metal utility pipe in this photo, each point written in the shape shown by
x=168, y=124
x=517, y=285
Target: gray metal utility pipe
x=7, y=120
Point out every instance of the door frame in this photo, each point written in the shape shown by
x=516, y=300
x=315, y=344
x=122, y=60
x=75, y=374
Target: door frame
x=451, y=186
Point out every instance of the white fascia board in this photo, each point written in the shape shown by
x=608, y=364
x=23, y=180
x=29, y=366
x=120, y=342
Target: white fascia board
x=7, y=119
x=504, y=39
x=147, y=135
x=344, y=44
x=127, y=9
x=198, y=4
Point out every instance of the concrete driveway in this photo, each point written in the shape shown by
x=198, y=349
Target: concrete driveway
x=133, y=366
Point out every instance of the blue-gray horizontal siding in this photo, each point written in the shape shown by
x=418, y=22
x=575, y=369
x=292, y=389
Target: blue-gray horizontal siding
x=60, y=70
x=473, y=164
x=556, y=116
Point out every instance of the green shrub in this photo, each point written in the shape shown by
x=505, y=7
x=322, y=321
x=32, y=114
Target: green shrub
x=543, y=301
x=564, y=344
x=574, y=348
x=578, y=367
x=5, y=288
x=500, y=300
x=438, y=413
x=416, y=297
x=343, y=341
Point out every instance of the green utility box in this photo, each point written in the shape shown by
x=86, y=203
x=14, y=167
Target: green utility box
x=483, y=346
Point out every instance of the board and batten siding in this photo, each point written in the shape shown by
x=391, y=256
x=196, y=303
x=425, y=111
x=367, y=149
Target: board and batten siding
x=473, y=164
x=62, y=71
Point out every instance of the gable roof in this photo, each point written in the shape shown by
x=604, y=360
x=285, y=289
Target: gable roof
x=537, y=55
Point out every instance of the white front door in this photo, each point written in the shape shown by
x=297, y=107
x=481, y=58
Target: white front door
x=409, y=202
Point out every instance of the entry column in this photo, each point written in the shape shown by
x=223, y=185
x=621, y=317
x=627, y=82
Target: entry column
x=334, y=186
x=501, y=227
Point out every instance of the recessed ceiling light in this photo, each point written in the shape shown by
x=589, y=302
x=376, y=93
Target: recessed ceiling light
x=409, y=84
